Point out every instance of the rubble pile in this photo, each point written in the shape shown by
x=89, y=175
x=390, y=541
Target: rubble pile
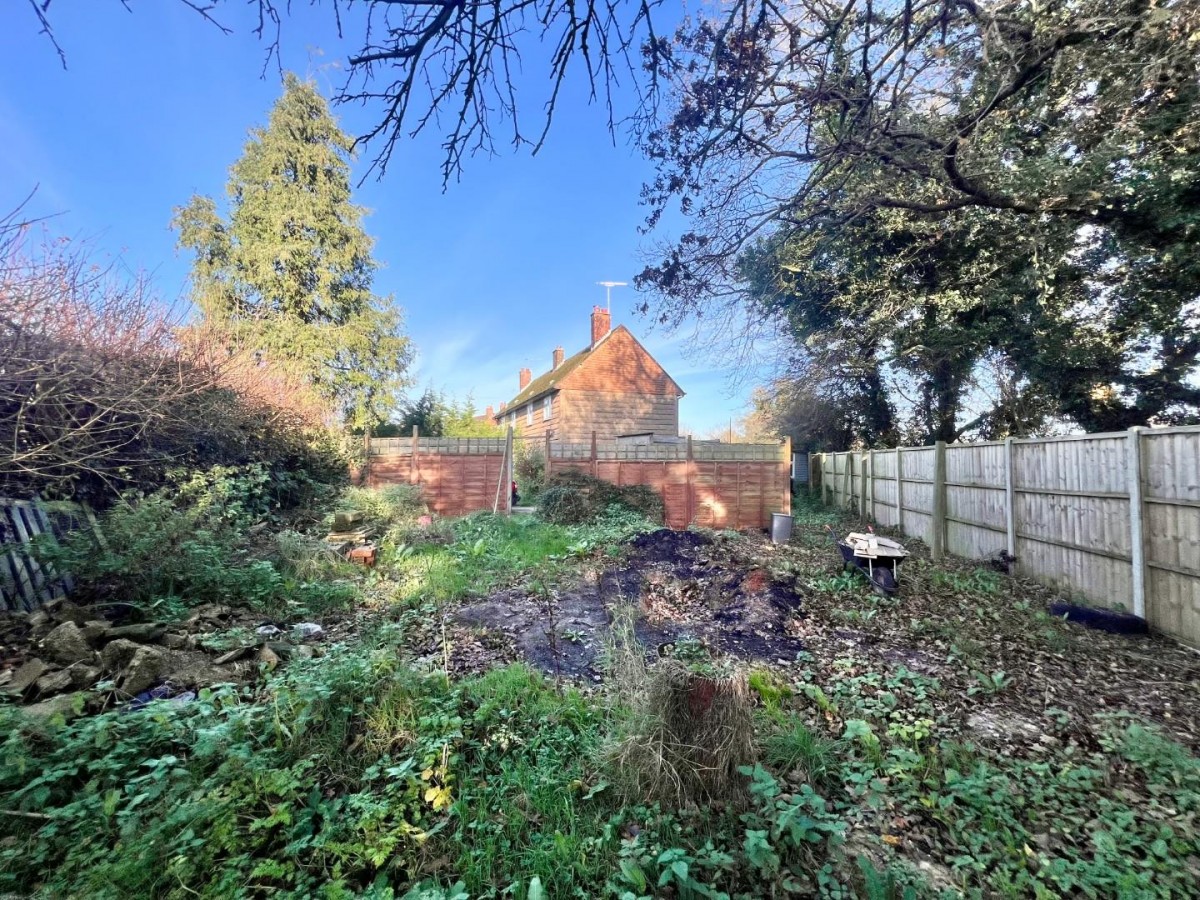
x=64, y=658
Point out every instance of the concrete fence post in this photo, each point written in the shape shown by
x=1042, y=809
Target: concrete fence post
x=846, y=495
x=871, y=470
x=1137, y=536
x=900, y=488
x=937, y=542
x=862, y=486
x=1010, y=498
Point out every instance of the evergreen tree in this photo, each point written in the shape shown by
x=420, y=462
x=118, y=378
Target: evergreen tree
x=289, y=269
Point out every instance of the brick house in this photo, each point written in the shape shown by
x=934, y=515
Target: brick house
x=613, y=387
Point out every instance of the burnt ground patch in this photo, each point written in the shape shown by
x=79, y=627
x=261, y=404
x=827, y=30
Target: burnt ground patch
x=675, y=586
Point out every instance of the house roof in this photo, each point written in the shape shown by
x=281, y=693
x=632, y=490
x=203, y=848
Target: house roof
x=553, y=379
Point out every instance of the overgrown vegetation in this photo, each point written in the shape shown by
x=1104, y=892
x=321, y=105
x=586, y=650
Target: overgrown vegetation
x=103, y=394
x=572, y=497
x=374, y=770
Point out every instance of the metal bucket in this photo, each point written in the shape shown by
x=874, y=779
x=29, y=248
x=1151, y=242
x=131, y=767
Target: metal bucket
x=781, y=528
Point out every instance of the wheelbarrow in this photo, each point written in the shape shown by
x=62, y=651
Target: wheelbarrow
x=876, y=557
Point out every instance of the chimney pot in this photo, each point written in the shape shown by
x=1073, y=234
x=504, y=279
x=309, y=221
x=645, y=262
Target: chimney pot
x=558, y=358
x=524, y=376
x=601, y=323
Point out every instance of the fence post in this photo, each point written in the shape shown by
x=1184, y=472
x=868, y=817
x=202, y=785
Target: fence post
x=1137, y=541
x=787, y=468
x=691, y=499
x=846, y=480
x=862, y=486
x=508, y=469
x=900, y=488
x=595, y=461
x=414, y=470
x=871, y=468
x=364, y=475
x=1010, y=498
x=547, y=457
x=937, y=543
x=810, y=475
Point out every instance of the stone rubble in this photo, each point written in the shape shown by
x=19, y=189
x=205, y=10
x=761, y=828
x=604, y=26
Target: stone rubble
x=63, y=659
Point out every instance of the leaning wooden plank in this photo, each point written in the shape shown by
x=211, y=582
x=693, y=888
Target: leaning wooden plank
x=25, y=581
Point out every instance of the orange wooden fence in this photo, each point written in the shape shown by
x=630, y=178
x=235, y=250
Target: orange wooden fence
x=456, y=475
x=701, y=483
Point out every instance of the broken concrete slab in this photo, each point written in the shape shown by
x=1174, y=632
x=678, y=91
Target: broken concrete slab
x=84, y=676
x=117, y=654
x=29, y=672
x=145, y=669
x=147, y=633
x=53, y=682
x=95, y=631
x=67, y=644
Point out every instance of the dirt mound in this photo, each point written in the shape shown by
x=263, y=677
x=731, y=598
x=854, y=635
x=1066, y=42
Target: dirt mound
x=678, y=585
x=667, y=546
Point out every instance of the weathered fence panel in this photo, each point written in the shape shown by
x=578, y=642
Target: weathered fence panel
x=975, y=499
x=456, y=475
x=714, y=485
x=1171, y=495
x=24, y=582
x=1114, y=518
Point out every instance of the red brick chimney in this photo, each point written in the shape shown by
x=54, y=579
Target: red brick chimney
x=601, y=324
x=525, y=376
x=558, y=358
x=489, y=413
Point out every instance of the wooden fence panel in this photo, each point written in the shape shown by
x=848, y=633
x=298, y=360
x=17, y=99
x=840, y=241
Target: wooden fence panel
x=24, y=582
x=1072, y=515
x=976, y=510
x=1112, y=518
x=1171, y=497
x=452, y=484
x=918, y=492
x=723, y=486
x=883, y=491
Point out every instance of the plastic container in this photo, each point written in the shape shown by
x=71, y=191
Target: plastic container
x=781, y=528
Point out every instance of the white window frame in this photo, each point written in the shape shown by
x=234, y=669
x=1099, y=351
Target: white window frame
x=547, y=408
x=529, y=414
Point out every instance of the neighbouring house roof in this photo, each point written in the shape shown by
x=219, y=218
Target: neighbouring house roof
x=554, y=379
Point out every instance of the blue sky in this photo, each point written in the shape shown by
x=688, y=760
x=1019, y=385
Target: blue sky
x=492, y=273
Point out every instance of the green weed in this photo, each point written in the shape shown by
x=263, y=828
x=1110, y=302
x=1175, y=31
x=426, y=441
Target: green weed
x=797, y=746
x=990, y=683
x=978, y=581
x=842, y=583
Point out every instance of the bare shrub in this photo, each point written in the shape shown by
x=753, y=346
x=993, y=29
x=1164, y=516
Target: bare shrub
x=102, y=391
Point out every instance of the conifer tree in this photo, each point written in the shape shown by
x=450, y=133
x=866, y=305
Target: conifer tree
x=288, y=270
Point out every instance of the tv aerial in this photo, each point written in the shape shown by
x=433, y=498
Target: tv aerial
x=608, y=286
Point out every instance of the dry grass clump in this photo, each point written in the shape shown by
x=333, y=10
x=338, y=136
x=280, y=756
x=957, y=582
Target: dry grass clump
x=684, y=731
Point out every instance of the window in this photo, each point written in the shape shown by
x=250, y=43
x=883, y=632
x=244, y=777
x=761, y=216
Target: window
x=529, y=414
x=547, y=407
x=512, y=419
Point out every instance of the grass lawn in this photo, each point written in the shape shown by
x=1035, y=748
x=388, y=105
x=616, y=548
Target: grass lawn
x=952, y=741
